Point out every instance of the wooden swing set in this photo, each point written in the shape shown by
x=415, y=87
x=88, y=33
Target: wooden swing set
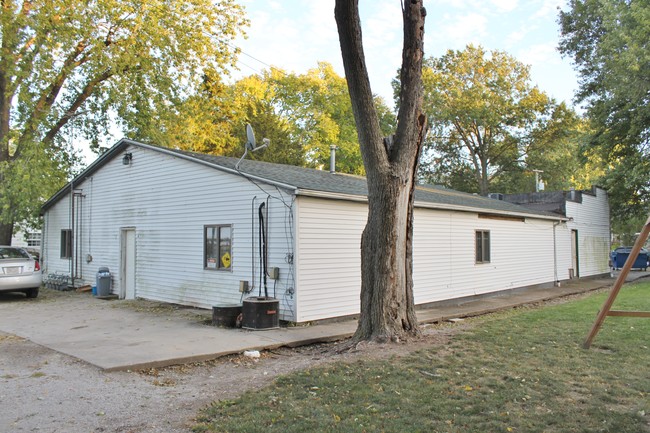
x=606, y=310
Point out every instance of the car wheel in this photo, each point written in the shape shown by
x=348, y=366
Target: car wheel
x=32, y=293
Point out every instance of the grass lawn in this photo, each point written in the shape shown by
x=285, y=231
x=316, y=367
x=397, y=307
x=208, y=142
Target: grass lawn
x=519, y=371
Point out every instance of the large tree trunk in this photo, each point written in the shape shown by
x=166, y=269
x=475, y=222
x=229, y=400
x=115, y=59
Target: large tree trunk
x=387, y=307
x=6, y=230
x=484, y=180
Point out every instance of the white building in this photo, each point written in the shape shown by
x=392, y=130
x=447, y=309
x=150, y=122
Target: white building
x=588, y=219
x=30, y=239
x=183, y=227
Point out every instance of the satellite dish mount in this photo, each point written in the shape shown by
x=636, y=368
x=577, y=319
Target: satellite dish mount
x=251, y=143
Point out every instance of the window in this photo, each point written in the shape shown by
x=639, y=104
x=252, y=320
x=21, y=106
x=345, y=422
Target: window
x=66, y=244
x=33, y=239
x=217, y=241
x=482, y=246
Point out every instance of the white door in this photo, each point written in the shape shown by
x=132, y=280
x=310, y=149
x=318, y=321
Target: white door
x=128, y=264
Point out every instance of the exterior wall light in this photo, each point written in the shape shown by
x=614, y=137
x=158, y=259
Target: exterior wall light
x=126, y=159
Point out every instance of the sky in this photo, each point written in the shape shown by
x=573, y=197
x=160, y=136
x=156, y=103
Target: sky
x=295, y=34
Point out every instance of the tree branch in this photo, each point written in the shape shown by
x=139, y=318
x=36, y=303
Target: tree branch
x=25, y=60
x=78, y=102
x=411, y=72
x=349, y=28
x=49, y=95
x=471, y=146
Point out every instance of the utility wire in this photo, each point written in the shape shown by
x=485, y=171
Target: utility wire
x=255, y=59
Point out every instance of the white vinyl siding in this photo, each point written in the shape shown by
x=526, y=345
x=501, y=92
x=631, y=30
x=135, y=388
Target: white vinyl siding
x=591, y=219
x=444, y=267
x=169, y=201
x=329, y=259
x=54, y=221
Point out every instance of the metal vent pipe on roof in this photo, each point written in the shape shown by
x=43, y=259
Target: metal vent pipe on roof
x=332, y=158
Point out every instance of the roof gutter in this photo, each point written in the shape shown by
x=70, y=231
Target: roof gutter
x=332, y=195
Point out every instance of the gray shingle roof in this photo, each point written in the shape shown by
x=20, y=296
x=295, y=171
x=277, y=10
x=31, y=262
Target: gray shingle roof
x=306, y=181
x=309, y=179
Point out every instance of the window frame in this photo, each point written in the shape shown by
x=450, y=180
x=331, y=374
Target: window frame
x=218, y=264
x=66, y=244
x=482, y=245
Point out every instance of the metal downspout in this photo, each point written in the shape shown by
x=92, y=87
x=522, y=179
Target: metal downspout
x=555, y=275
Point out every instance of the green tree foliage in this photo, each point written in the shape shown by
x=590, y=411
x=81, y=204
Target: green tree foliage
x=610, y=44
x=491, y=126
x=255, y=100
x=72, y=66
x=555, y=147
x=302, y=115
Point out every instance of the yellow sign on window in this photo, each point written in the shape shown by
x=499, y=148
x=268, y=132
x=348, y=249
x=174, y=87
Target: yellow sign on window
x=225, y=260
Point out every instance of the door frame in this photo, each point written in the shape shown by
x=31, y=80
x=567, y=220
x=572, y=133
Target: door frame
x=575, y=253
x=127, y=261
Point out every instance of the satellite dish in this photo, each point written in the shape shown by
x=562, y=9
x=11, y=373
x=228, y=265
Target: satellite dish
x=250, y=144
x=250, y=136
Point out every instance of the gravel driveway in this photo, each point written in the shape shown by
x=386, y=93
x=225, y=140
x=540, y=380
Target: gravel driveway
x=44, y=391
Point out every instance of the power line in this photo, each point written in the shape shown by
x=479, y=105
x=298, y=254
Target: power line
x=248, y=55
x=255, y=59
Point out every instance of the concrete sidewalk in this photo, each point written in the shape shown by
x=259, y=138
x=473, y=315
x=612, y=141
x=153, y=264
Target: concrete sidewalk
x=113, y=337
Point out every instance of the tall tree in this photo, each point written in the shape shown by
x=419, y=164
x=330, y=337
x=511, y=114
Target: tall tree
x=555, y=147
x=255, y=100
x=318, y=104
x=387, y=306
x=302, y=114
x=76, y=65
x=609, y=41
x=484, y=108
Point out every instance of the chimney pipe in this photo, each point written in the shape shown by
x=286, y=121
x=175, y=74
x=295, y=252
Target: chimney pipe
x=332, y=158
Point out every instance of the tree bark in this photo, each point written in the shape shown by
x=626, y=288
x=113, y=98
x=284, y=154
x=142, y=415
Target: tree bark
x=387, y=305
x=6, y=231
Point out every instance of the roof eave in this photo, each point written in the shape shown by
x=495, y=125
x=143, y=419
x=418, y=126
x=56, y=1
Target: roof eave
x=427, y=205
x=86, y=173
x=123, y=143
x=290, y=188
x=480, y=210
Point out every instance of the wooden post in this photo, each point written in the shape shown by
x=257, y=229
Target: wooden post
x=605, y=311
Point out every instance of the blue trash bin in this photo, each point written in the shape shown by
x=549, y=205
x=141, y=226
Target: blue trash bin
x=620, y=255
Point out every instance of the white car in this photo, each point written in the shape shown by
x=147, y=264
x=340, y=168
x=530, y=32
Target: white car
x=19, y=272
